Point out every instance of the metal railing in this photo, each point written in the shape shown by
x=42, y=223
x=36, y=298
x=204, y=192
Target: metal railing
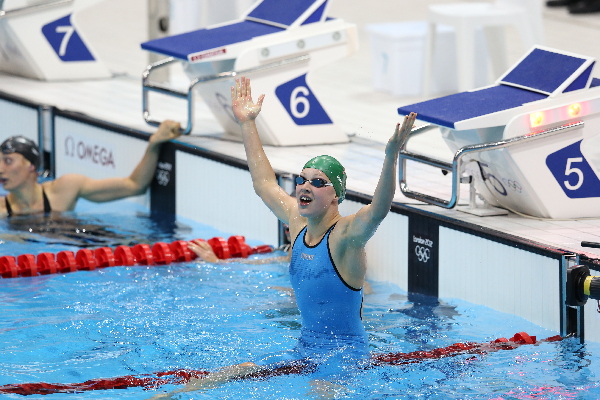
x=148, y=86
x=455, y=167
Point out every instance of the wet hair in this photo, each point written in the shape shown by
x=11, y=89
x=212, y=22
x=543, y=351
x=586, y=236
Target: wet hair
x=25, y=147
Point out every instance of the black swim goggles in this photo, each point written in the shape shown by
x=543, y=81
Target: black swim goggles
x=316, y=182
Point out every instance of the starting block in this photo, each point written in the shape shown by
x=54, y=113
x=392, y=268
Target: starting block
x=530, y=142
x=76, y=39
x=42, y=40
x=276, y=44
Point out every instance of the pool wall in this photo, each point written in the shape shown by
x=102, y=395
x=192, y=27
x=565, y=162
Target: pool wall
x=96, y=152
x=19, y=118
x=420, y=251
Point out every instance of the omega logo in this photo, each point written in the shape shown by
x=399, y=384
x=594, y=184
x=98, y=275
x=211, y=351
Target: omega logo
x=97, y=154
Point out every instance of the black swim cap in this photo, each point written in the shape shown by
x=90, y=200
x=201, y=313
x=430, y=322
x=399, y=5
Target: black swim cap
x=23, y=146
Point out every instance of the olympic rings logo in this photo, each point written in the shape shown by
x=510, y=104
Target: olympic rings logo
x=514, y=185
x=163, y=177
x=423, y=253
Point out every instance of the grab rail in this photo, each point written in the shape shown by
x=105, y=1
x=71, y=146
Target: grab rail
x=148, y=86
x=33, y=8
x=456, y=165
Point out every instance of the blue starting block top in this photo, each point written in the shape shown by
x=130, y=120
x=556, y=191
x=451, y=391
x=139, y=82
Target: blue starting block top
x=540, y=74
x=267, y=17
x=180, y=46
x=446, y=111
x=284, y=13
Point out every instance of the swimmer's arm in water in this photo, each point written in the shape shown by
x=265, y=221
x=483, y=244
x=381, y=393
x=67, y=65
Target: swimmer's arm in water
x=263, y=176
x=368, y=218
x=65, y=190
x=204, y=251
x=214, y=379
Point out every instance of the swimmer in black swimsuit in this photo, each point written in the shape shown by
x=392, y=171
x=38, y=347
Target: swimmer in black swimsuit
x=19, y=162
x=47, y=207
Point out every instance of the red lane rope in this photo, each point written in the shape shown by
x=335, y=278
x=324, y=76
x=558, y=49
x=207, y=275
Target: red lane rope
x=153, y=381
x=121, y=382
x=160, y=253
x=517, y=340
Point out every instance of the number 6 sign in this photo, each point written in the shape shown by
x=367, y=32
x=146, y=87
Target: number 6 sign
x=300, y=103
x=573, y=173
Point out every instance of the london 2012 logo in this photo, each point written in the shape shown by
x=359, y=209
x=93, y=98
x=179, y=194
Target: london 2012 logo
x=422, y=248
x=573, y=172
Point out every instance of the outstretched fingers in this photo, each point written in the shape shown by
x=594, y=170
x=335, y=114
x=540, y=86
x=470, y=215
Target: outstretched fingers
x=401, y=134
x=243, y=106
x=242, y=87
x=409, y=121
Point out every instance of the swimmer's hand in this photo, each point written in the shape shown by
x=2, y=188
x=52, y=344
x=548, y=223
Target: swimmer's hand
x=400, y=135
x=161, y=396
x=167, y=130
x=243, y=107
x=212, y=380
x=203, y=250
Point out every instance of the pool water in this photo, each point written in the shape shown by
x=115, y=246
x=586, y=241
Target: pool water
x=136, y=320
x=93, y=225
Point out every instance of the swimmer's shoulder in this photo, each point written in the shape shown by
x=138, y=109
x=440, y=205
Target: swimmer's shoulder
x=63, y=191
x=3, y=210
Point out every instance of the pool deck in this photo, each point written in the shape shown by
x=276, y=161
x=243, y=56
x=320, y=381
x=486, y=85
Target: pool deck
x=366, y=115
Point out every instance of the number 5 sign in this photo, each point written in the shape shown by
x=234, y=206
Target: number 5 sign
x=65, y=41
x=573, y=173
x=300, y=103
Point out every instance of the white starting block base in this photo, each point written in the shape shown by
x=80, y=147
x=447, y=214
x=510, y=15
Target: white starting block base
x=526, y=141
x=483, y=211
x=291, y=102
x=81, y=39
x=277, y=45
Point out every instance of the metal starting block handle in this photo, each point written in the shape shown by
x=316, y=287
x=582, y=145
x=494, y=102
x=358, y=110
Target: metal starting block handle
x=148, y=86
x=456, y=166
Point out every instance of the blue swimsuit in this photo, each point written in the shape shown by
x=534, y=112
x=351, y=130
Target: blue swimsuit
x=330, y=308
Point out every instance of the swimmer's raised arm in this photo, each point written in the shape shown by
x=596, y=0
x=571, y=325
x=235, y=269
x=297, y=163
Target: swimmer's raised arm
x=66, y=189
x=263, y=177
x=368, y=218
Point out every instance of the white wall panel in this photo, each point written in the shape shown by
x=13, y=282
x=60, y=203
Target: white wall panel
x=96, y=152
x=387, y=259
x=501, y=277
x=222, y=196
x=591, y=317
x=18, y=119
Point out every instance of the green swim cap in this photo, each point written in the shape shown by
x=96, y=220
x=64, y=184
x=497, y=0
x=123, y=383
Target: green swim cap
x=333, y=170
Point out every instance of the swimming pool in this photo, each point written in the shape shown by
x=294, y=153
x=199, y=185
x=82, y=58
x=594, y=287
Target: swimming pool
x=140, y=320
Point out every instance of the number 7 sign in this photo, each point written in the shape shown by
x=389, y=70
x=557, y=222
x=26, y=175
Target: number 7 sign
x=573, y=173
x=65, y=41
